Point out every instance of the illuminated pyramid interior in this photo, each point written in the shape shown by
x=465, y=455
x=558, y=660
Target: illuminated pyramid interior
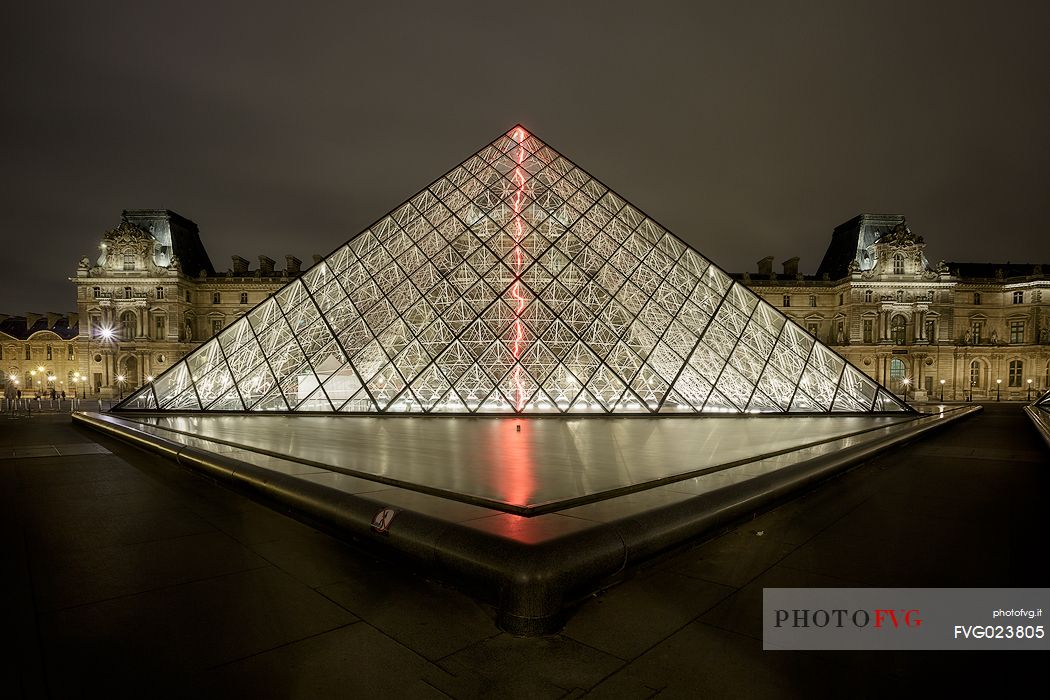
x=514, y=284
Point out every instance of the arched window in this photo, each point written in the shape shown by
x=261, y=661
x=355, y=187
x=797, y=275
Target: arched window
x=127, y=325
x=1016, y=371
x=975, y=374
x=867, y=296
x=899, y=329
x=898, y=263
x=897, y=370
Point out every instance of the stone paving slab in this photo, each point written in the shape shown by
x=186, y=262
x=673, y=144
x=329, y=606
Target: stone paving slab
x=271, y=632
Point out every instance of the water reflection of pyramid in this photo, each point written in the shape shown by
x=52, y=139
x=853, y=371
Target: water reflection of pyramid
x=516, y=283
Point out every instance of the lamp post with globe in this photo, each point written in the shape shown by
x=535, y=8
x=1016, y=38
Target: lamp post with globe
x=1029, y=390
x=907, y=383
x=998, y=385
x=942, y=391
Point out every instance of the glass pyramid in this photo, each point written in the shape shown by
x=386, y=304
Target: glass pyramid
x=1044, y=401
x=515, y=284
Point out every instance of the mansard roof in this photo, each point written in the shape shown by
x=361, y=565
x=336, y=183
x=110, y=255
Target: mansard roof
x=20, y=328
x=850, y=240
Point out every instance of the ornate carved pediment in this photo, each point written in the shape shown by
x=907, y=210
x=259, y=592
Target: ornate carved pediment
x=129, y=239
x=900, y=237
x=126, y=233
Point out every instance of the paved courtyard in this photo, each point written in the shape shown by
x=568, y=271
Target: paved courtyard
x=125, y=575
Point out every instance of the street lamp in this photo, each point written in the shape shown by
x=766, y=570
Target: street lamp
x=1029, y=389
x=120, y=383
x=906, y=382
x=970, y=398
x=998, y=384
x=77, y=379
x=942, y=391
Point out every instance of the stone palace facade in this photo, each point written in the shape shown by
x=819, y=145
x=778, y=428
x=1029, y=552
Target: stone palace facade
x=971, y=330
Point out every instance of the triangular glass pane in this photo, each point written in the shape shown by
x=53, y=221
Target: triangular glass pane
x=185, y=401
x=316, y=401
x=142, y=399
x=274, y=401
x=256, y=385
x=359, y=403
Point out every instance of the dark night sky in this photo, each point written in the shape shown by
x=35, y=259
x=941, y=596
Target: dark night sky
x=749, y=129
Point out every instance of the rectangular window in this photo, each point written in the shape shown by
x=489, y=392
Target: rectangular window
x=812, y=300
x=244, y=297
x=931, y=331
x=29, y=355
x=216, y=326
x=96, y=292
x=72, y=355
x=813, y=328
x=975, y=330
x=787, y=300
x=1016, y=331
x=127, y=292
x=842, y=299
x=1018, y=297
x=159, y=324
x=1016, y=372
x=160, y=292
x=49, y=352
x=187, y=296
x=129, y=262
x=216, y=298
x=977, y=298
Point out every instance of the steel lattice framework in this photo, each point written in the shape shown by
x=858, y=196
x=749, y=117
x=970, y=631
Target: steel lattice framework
x=516, y=283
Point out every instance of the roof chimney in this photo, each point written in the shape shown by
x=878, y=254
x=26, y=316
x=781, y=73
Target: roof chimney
x=265, y=266
x=765, y=266
x=293, y=265
x=318, y=258
x=240, y=265
x=791, y=266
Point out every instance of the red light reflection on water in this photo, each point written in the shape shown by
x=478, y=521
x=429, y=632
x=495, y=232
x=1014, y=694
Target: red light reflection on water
x=515, y=480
